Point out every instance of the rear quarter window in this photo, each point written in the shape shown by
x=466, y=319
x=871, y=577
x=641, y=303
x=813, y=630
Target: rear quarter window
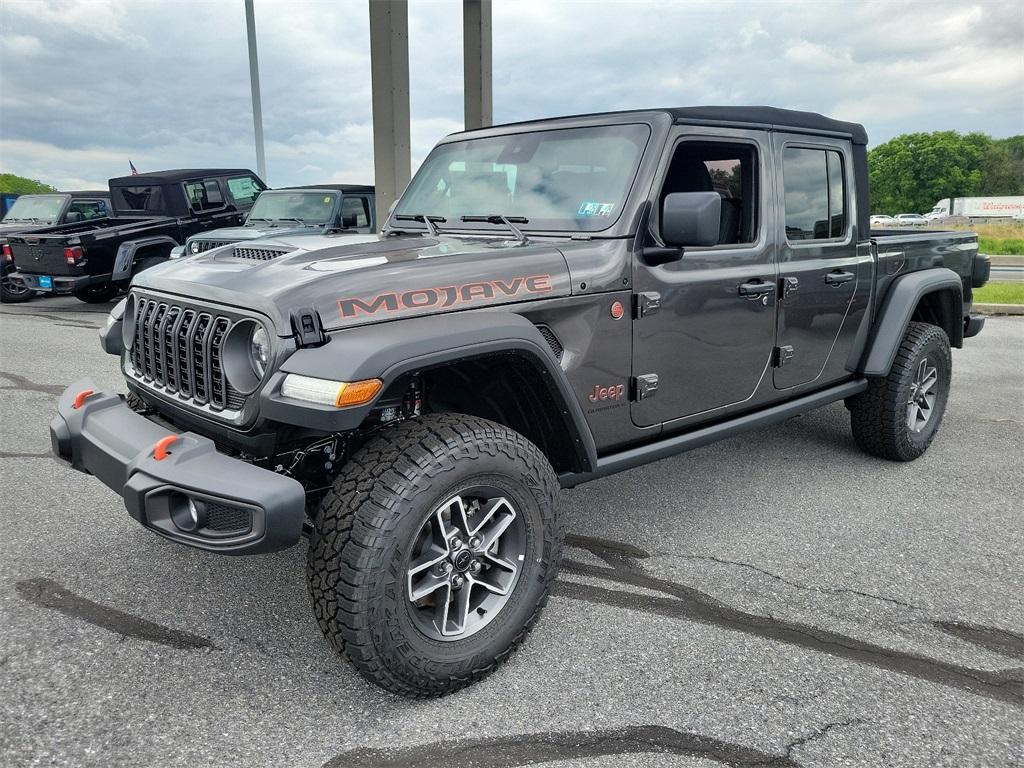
x=204, y=195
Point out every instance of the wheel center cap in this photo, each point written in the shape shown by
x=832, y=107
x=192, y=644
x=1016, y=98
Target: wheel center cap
x=463, y=559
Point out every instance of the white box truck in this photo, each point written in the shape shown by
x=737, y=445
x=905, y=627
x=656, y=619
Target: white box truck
x=979, y=207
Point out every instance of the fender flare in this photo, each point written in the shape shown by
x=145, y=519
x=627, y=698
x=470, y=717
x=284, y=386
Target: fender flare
x=899, y=306
x=125, y=258
x=388, y=351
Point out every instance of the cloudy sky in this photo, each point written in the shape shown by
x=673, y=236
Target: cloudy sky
x=86, y=85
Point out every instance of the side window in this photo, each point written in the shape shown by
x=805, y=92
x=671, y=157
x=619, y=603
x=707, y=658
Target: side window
x=204, y=195
x=728, y=168
x=90, y=209
x=244, y=189
x=355, y=212
x=814, y=182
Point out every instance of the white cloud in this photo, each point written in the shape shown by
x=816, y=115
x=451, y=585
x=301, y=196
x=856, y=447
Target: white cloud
x=166, y=84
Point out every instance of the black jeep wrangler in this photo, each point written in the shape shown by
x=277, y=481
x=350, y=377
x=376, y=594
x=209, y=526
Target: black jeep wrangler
x=549, y=302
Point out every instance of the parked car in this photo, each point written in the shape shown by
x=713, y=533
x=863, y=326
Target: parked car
x=30, y=213
x=881, y=220
x=546, y=305
x=294, y=211
x=152, y=213
x=911, y=220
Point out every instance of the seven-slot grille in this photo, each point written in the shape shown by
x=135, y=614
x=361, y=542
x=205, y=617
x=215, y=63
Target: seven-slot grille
x=179, y=350
x=204, y=245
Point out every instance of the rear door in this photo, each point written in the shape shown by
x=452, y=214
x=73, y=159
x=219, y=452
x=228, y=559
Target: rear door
x=820, y=271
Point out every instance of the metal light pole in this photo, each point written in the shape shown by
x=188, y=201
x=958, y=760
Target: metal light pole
x=254, y=78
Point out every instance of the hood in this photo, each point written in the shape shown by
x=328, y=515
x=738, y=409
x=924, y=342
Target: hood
x=237, y=234
x=358, y=279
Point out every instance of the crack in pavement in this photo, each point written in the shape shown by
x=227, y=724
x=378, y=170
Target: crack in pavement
x=20, y=455
x=532, y=748
x=691, y=604
x=1000, y=641
x=21, y=384
x=49, y=594
x=820, y=733
x=798, y=585
x=57, y=319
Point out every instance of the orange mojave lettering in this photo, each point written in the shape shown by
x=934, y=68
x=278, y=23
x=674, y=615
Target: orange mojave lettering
x=444, y=297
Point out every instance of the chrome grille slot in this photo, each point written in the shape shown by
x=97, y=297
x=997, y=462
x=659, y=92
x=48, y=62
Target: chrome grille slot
x=179, y=351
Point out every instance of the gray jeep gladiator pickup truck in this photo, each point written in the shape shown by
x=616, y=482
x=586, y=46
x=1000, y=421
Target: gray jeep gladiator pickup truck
x=548, y=303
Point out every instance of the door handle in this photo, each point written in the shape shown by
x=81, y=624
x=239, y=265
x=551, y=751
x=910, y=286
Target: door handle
x=838, y=277
x=756, y=289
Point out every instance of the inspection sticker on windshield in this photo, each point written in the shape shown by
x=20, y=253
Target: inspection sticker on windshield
x=588, y=208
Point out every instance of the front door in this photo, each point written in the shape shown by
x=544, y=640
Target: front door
x=705, y=324
x=819, y=267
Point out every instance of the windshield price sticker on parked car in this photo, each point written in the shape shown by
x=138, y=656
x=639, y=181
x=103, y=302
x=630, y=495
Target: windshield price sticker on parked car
x=595, y=209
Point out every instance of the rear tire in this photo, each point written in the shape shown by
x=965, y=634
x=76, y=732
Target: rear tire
x=13, y=291
x=897, y=417
x=97, y=294
x=381, y=535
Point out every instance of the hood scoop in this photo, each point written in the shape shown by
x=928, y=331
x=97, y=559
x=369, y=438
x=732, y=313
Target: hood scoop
x=261, y=253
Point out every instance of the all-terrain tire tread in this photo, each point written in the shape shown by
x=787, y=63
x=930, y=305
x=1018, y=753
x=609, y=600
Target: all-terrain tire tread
x=878, y=415
x=345, y=556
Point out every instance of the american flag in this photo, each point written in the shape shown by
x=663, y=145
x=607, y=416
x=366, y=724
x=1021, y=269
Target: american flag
x=134, y=172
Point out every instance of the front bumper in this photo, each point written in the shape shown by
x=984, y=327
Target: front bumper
x=239, y=509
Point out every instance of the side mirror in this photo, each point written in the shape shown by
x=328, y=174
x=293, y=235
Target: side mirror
x=691, y=218
x=73, y=217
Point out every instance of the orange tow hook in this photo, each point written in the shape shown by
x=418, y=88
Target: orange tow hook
x=160, y=449
x=80, y=398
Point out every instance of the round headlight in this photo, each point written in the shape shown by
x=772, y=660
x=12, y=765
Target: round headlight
x=259, y=351
x=193, y=247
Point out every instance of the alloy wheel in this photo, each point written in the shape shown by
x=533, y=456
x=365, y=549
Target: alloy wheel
x=923, y=392
x=465, y=563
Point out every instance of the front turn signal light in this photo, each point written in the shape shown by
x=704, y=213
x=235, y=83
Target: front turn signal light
x=340, y=394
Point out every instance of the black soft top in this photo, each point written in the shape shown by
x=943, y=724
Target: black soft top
x=772, y=117
x=172, y=176
x=761, y=117
x=348, y=189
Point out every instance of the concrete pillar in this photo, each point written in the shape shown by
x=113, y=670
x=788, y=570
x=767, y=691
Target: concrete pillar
x=389, y=75
x=476, y=63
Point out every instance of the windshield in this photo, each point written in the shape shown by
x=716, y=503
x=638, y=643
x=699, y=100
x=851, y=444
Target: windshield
x=36, y=208
x=573, y=179
x=307, y=207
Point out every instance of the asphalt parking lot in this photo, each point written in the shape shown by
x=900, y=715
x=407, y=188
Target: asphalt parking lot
x=776, y=599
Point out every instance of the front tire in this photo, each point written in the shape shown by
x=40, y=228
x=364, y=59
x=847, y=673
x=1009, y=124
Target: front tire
x=97, y=294
x=433, y=554
x=898, y=416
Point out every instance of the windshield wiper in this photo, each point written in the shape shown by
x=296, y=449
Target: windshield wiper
x=257, y=218
x=424, y=218
x=290, y=218
x=508, y=221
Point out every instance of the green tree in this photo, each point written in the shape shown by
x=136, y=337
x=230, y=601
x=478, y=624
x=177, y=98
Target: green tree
x=1002, y=171
x=22, y=186
x=911, y=172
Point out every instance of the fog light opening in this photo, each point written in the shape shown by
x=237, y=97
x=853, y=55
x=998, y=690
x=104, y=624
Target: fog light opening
x=188, y=514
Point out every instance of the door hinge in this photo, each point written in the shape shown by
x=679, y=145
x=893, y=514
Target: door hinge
x=645, y=386
x=789, y=286
x=647, y=303
x=783, y=355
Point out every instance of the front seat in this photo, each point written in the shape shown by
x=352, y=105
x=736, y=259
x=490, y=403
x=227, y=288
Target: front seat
x=689, y=174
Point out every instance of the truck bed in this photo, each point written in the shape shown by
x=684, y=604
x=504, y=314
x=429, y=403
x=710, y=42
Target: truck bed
x=42, y=252
x=900, y=252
